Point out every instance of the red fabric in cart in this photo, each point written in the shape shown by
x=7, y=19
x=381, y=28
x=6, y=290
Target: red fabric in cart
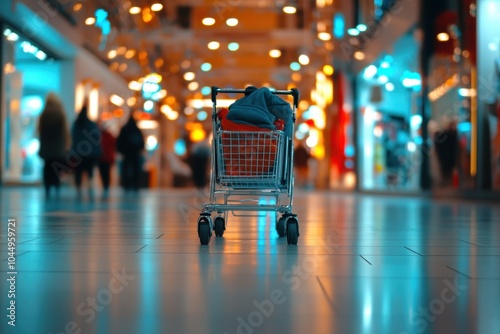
x=246, y=154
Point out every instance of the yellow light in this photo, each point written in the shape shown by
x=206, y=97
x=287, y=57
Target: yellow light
x=131, y=101
x=188, y=76
x=121, y=50
x=193, y=86
x=324, y=36
x=123, y=67
x=135, y=85
x=146, y=15
x=296, y=76
x=197, y=135
x=77, y=6
x=116, y=100
x=129, y=54
x=359, y=55
x=156, y=7
x=111, y=54
x=153, y=77
x=147, y=124
x=208, y=21
x=169, y=113
x=89, y=21
x=275, y=53
x=443, y=37
x=289, y=10
x=134, y=10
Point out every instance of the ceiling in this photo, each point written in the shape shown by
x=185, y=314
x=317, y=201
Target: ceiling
x=174, y=40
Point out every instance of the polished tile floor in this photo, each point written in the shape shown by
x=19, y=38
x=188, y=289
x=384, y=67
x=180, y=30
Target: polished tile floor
x=363, y=264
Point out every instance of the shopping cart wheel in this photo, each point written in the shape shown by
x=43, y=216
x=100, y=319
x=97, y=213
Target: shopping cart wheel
x=219, y=226
x=292, y=231
x=204, y=230
x=280, y=226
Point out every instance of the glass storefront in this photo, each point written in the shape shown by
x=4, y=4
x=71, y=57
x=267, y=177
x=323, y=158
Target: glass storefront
x=29, y=73
x=389, y=123
x=488, y=91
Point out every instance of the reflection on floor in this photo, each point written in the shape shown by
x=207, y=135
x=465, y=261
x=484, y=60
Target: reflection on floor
x=364, y=264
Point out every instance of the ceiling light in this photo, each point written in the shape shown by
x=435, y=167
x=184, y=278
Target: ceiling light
x=156, y=7
x=121, y=50
x=134, y=10
x=324, y=36
x=208, y=21
x=303, y=59
x=214, y=45
x=443, y=37
x=233, y=46
x=275, y=53
x=89, y=21
x=361, y=27
x=232, y=22
x=188, y=76
x=289, y=10
x=353, y=31
x=185, y=64
x=192, y=86
x=77, y=6
x=294, y=66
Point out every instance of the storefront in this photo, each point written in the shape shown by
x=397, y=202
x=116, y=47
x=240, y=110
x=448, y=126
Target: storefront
x=388, y=125
x=488, y=94
x=29, y=73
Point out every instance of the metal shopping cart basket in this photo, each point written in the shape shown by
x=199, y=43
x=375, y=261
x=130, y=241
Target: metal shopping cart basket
x=247, y=166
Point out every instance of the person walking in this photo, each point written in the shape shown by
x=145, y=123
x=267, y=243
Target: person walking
x=129, y=144
x=199, y=162
x=86, y=143
x=54, y=141
x=107, y=159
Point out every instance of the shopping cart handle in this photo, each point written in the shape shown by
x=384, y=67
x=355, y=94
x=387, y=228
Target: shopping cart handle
x=294, y=92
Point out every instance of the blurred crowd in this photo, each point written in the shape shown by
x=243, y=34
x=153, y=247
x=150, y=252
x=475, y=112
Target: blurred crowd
x=76, y=151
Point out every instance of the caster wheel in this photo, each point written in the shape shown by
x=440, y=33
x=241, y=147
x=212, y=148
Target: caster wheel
x=292, y=231
x=219, y=226
x=280, y=226
x=204, y=230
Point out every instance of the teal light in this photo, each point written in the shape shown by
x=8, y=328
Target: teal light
x=206, y=90
x=294, y=66
x=233, y=46
x=205, y=67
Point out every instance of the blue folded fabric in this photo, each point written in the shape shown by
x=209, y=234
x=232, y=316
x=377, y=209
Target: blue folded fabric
x=261, y=108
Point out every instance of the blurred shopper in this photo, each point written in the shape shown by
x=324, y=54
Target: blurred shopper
x=54, y=141
x=86, y=143
x=130, y=143
x=107, y=159
x=301, y=165
x=446, y=144
x=199, y=160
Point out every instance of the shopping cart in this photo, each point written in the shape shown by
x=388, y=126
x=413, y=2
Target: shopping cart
x=250, y=171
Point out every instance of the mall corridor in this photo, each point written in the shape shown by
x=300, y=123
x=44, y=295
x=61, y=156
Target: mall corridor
x=364, y=264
